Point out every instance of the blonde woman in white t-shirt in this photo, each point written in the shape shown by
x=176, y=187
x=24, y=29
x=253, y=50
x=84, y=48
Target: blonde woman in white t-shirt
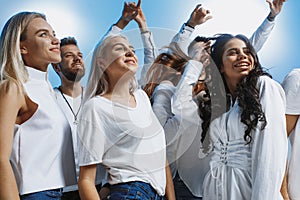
x=118, y=128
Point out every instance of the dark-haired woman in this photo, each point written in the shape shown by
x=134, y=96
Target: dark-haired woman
x=179, y=116
x=247, y=140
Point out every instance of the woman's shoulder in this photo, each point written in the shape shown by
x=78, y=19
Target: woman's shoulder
x=92, y=103
x=266, y=83
x=140, y=93
x=12, y=95
x=292, y=80
x=92, y=110
x=294, y=73
x=11, y=88
x=266, y=80
x=141, y=96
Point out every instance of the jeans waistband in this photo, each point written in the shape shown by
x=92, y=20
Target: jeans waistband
x=57, y=190
x=145, y=187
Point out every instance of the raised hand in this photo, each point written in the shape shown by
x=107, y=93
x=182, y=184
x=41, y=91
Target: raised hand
x=199, y=51
x=199, y=16
x=275, y=6
x=129, y=12
x=140, y=17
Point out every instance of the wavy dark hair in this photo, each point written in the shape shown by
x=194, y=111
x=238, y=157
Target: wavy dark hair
x=247, y=92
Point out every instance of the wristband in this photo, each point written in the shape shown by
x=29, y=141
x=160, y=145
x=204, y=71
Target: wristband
x=271, y=18
x=187, y=24
x=143, y=32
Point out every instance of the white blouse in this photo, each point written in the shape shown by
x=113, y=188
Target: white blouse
x=42, y=156
x=255, y=171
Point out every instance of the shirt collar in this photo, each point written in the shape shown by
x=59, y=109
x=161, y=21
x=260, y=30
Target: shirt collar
x=37, y=74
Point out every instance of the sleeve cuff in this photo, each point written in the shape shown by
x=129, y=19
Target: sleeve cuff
x=185, y=27
x=115, y=30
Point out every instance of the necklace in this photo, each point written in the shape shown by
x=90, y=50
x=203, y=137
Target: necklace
x=74, y=114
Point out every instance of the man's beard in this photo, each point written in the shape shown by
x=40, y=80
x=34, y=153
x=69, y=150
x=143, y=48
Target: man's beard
x=73, y=76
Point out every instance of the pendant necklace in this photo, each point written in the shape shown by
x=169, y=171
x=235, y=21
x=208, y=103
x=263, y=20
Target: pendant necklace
x=74, y=114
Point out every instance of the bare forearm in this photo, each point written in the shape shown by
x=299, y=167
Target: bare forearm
x=87, y=190
x=143, y=26
x=170, y=192
x=8, y=186
x=122, y=23
x=284, y=187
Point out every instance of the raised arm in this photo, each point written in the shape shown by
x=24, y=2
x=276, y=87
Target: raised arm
x=139, y=17
x=183, y=95
x=260, y=36
x=199, y=16
x=150, y=50
x=128, y=13
x=275, y=8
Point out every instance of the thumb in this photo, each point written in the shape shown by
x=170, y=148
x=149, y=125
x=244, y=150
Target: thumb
x=208, y=17
x=270, y=3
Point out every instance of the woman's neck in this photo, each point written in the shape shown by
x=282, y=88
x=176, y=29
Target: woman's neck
x=119, y=92
x=231, y=86
x=124, y=98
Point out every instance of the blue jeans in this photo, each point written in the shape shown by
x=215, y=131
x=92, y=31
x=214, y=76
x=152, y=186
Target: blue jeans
x=133, y=190
x=43, y=195
x=182, y=192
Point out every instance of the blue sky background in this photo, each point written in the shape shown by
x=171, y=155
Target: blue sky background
x=88, y=20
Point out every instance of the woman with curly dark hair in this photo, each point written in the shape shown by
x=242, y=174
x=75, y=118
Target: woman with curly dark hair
x=246, y=140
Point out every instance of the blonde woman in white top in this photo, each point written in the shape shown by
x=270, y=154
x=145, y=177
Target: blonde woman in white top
x=119, y=129
x=34, y=150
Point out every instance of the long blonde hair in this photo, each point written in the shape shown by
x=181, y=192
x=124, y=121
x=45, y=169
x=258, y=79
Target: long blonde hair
x=98, y=83
x=12, y=67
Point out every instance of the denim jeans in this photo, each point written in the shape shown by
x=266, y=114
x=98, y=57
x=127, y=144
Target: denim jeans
x=43, y=195
x=72, y=195
x=133, y=190
x=182, y=192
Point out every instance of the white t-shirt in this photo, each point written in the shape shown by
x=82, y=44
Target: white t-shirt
x=129, y=142
x=75, y=105
x=291, y=86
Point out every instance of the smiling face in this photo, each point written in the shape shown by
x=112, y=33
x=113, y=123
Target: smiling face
x=40, y=47
x=237, y=61
x=120, y=57
x=72, y=64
